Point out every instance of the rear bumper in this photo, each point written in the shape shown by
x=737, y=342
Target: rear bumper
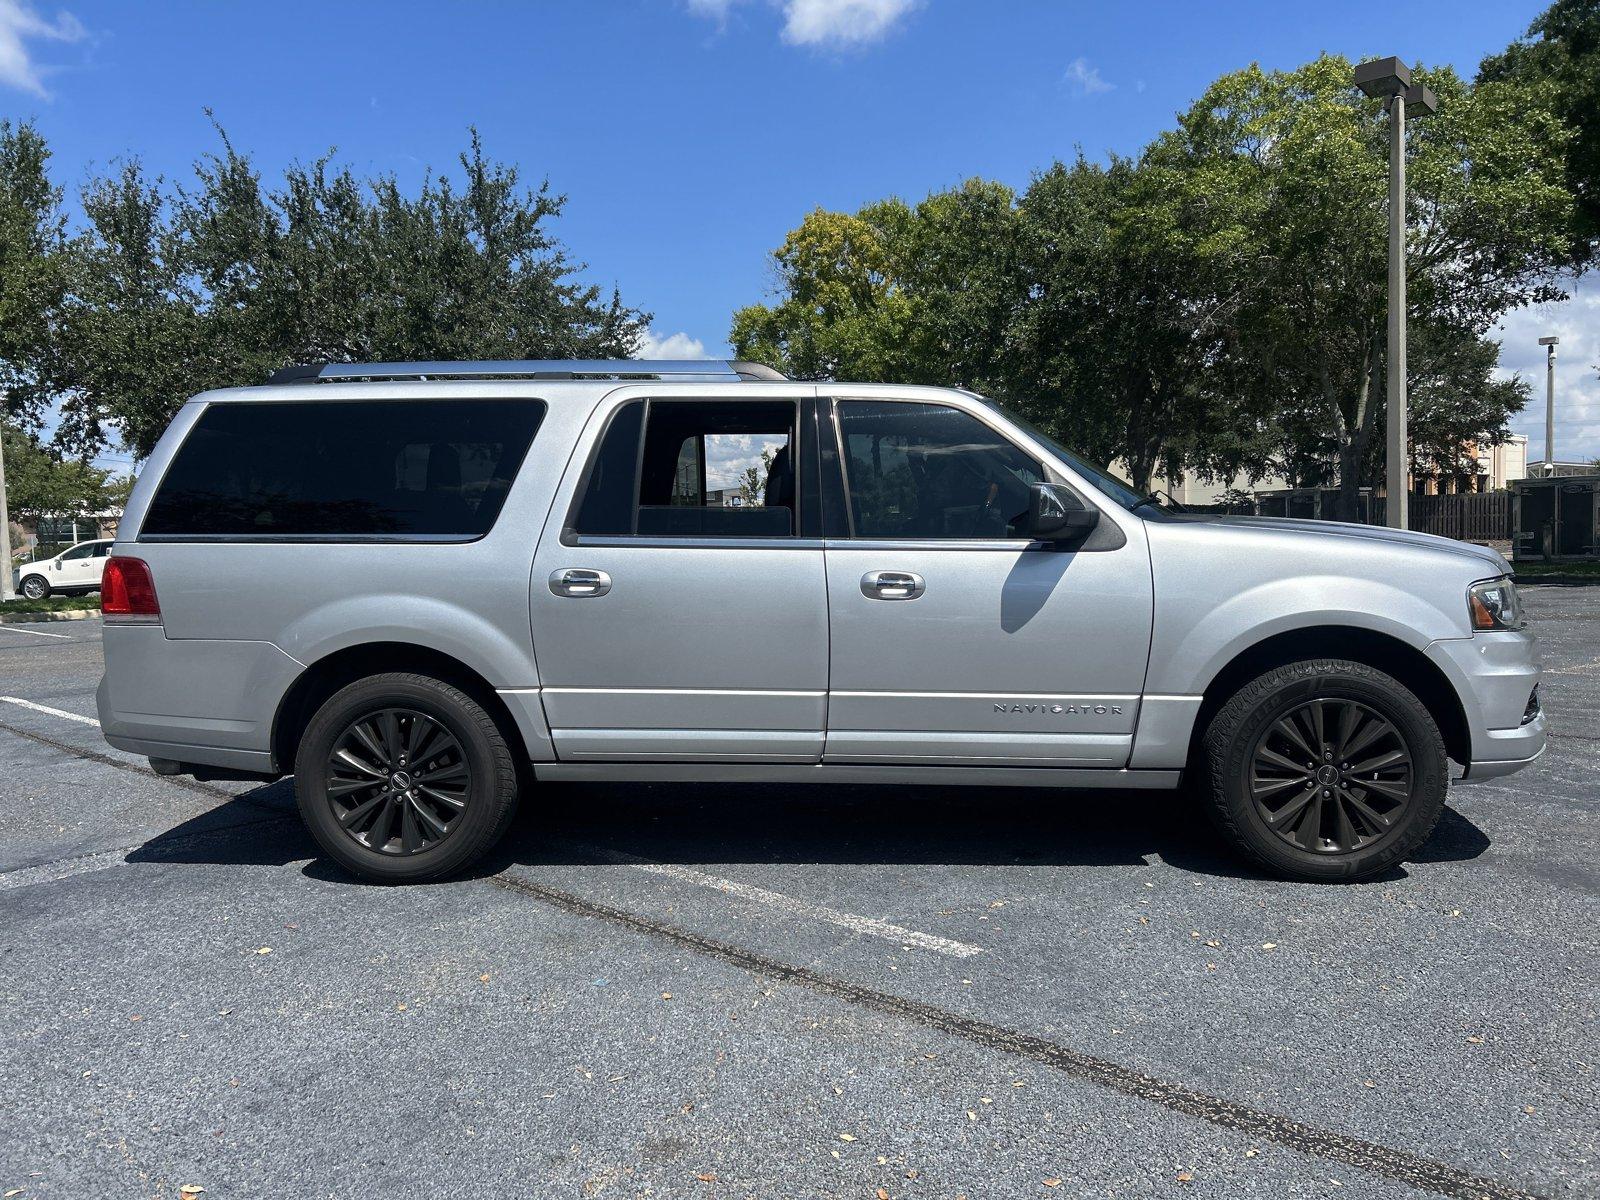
x=1494, y=675
x=192, y=700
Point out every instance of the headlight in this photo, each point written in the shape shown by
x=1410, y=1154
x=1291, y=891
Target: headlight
x=1493, y=604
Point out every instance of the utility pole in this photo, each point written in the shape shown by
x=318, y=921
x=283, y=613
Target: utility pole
x=1391, y=78
x=1550, y=344
x=5, y=528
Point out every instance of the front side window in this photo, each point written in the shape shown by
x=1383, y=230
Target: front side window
x=931, y=471
x=705, y=468
x=331, y=470
x=86, y=550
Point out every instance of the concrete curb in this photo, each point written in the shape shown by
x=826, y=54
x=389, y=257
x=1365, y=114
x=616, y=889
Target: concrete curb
x=28, y=618
x=1559, y=580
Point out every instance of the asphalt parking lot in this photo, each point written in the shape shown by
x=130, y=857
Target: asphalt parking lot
x=710, y=991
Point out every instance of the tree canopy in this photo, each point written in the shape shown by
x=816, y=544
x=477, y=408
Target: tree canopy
x=170, y=289
x=1216, y=304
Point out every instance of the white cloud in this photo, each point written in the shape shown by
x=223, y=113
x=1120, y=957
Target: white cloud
x=841, y=23
x=20, y=24
x=1577, y=323
x=672, y=345
x=828, y=24
x=1086, y=78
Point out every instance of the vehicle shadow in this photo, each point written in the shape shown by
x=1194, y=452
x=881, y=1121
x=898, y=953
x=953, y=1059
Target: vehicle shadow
x=711, y=824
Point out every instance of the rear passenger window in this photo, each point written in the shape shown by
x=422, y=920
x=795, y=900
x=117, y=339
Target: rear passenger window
x=706, y=469
x=332, y=470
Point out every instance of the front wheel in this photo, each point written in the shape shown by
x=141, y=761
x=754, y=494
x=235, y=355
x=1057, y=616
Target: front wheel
x=404, y=778
x=1325, y=770
x=35, y=587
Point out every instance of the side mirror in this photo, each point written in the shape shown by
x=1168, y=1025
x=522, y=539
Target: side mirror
x=1055, y=514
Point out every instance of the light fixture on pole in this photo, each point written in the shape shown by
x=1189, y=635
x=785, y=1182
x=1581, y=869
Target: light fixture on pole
x=1550, y=344
x=1391, y=78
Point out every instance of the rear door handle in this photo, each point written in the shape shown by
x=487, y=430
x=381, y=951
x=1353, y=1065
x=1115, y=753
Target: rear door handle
x=579, y=582
x=892, y=585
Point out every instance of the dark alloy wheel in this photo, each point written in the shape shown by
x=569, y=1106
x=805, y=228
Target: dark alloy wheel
x=1324, y=769
x=397, y=781
x=1331, y=776
x=404, y=778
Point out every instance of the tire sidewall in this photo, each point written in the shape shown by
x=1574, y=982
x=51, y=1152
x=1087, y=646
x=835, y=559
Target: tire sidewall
x=442, y=703
x=44, y=585
x=1385, y=696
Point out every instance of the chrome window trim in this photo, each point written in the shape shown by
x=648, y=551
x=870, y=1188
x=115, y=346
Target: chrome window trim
x=695, y=543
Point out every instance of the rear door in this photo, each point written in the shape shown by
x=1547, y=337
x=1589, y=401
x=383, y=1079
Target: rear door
x=954, y=640
x=679, y=607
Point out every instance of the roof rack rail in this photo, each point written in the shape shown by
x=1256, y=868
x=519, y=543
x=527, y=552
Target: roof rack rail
x=688, y=370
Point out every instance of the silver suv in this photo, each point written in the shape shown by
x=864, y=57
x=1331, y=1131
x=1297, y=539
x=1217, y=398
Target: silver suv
x=425, y=587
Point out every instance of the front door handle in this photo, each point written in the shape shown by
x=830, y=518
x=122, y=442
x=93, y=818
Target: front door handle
x=892, y=585
x=578, y=582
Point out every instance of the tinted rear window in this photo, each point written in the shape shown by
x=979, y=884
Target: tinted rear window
x=331, y=470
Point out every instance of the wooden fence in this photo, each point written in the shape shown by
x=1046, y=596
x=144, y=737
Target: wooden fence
x=1470, y=516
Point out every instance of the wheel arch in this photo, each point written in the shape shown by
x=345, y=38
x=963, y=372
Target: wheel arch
x=1381, y=651
x=327, y=675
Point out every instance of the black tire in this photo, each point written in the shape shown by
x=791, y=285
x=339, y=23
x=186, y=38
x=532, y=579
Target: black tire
x=39, y=584
x=1349, y=824
x=482, y=769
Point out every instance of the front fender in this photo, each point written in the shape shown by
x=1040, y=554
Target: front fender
x=1193, y=642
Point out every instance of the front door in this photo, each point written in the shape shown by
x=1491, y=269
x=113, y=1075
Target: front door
x=678, y=613
x=953, y=639
x=81, y=566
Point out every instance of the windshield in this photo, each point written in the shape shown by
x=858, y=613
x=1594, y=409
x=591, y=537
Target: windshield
x=1099, y=477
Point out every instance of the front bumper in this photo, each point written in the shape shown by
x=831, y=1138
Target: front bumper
x=1494, y=676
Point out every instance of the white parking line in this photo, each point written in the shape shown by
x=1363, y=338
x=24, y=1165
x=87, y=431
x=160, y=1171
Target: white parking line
x=9, y=628
x=54, y=712
x=870, y=926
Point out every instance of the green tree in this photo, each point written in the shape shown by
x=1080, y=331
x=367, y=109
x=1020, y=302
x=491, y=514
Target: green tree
x=40, y=483
x=218, y=283
x=1118, y=344
x=34, y=256
x=842, y=311
x=1561, y=51
x=1288, y=191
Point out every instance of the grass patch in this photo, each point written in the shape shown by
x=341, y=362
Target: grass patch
x=89, y=603
x=1533, y=570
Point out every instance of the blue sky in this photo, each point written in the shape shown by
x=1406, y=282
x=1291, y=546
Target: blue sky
x=690, y=135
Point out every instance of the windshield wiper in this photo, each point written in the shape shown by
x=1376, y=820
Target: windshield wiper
x=1156, y=498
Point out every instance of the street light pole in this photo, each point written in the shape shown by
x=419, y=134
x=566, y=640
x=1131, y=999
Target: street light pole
x=5, y=528
x=1550, y=344
x=1391, y=78
x=1397, y=481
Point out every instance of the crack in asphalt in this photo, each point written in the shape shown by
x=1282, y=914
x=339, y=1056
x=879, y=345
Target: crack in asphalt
x=1413, y=1169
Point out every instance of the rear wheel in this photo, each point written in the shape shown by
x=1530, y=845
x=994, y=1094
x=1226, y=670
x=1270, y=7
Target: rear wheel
x=1325, y=770
x=35, y=587
x=404, y=778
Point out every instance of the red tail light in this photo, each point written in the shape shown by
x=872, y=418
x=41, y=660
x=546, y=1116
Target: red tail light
x=128, y=594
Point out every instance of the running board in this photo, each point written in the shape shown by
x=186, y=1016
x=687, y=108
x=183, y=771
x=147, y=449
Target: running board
x=713, y=772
